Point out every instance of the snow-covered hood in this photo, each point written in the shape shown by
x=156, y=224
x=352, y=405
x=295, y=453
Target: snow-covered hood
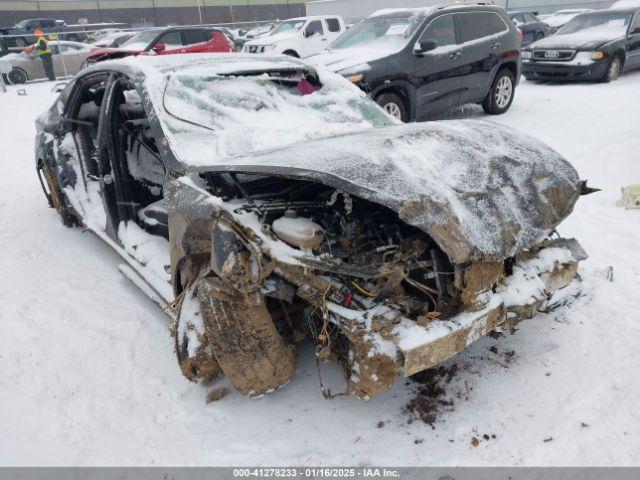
x=582, y=40
x=269, y=39
x=480, y=190
x=347, y=59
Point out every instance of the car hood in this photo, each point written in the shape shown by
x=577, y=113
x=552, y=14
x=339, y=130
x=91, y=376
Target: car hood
x=347, y=59
x=584, y=39
x=482, y=191
x=269, y=39
x=98, y=54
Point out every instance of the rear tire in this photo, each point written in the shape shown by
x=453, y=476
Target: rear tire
x=17, y=77
x=291, y=53
x=393, y=105
x=614, y=69
x=59, y=199
x=244, y=339
x=501, y=93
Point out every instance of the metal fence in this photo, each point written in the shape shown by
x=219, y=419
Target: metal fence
x=150, y=12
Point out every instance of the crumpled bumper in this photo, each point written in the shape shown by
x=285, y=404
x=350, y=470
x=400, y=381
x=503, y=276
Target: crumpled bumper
x=394, y=345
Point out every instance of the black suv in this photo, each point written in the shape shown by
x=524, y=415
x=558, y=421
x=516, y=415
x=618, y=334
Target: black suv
x=414, y=62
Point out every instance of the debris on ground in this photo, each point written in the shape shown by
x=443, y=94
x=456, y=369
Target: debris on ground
x=548, y=439
x=216, y=394
x=431, y=396
x=474, y=442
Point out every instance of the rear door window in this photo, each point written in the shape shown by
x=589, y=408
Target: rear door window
x=333, y=24
x=196, y=36
x=475, y=25
x=48, y=23
x=441, y=29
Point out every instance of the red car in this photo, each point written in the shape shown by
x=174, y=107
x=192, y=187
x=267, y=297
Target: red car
x=168, y=41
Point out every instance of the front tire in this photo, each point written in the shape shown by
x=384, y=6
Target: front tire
x=291, y=53
x=614, y=69
x=247, y=346
x=393, y=105
x=501, y=93
x=17, y=77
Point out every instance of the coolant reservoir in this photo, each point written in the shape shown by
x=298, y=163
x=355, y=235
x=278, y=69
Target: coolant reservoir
x=297, y=231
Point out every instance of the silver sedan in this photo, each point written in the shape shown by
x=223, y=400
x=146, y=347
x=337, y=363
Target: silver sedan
x=67, y=58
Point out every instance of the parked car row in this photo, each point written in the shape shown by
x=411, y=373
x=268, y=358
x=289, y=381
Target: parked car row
x=411, y=61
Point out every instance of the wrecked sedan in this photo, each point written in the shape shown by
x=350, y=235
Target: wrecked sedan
x=262, y=202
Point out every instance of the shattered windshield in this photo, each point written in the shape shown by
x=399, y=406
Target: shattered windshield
x=237, y=114
x=379, y=30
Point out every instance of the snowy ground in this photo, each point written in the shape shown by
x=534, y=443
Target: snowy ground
x=88, y=375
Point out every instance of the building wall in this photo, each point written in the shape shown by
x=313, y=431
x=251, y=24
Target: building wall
x=158, y=12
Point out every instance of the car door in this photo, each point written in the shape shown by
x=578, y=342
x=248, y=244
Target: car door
x=437, y=71
x=633, y=44
x=535, y=26
x=196, y=40
x=59, y=68
x=521, y=23
x=481, y=38
x=73, y=57
x=314, y=38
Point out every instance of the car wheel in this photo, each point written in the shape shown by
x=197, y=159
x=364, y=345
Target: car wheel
x=501, y=93
x=614, y=69
x=243, y=337
x=59, y=199
x=291, y=53
x=393, y=105
x=17, y=76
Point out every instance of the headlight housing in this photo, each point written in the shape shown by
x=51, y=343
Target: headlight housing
x=598, y=55
x=527, y=54
x=355, y=78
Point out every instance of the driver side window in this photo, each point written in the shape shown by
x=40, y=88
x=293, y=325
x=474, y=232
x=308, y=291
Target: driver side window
x=170, y=40
x=442, y=30
x=635, y=26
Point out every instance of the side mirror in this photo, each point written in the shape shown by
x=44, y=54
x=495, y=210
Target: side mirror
x=425, y=46
x=159, y=47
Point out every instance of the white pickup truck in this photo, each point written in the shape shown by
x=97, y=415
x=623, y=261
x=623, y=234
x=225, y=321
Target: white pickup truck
x=298, y=37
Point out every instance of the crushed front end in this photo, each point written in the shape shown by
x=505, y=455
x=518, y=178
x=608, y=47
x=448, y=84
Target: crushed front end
x=262, y=262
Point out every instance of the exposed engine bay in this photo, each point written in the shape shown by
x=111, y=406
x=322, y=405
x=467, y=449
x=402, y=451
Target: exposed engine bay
x=346, y=273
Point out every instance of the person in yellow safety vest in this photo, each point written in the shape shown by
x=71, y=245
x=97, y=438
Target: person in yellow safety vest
x=42, y=49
